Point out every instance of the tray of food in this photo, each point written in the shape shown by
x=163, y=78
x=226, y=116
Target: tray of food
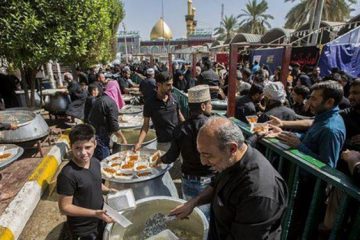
x=259, y=128
x=9, y=153
x=130, y=167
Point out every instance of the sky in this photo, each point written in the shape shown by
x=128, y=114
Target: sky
x=141, y=15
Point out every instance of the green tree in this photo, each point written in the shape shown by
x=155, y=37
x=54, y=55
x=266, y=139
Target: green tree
x=334, y=10
x=227, y=29
x=254, y=18
x=34, y=32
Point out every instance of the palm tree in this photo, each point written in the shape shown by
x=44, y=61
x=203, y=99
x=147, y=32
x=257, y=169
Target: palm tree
x=227, y=29
x=303, y=12
x=254, y=18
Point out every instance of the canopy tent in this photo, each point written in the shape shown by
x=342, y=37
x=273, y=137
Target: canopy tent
x=342, y=53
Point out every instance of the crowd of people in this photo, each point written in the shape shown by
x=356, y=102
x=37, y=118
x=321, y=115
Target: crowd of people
x=235, y=186
x=220, y=169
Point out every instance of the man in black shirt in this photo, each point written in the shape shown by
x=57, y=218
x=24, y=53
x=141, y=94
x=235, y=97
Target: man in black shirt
x=82, y=77
x=248, y=196
x=103, y=116
x=195, y=176
x=125, y=83
x=148, y=86
x=74, y=88
x=80, y=187
x=164, y=112
x=351, y=118
x=275, y=95
x=247, y=105
x=299, y=95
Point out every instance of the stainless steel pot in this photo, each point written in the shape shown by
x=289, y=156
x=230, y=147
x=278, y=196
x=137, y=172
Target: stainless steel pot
x=31, y=127
x=57, y=104
x=132, y=136
x=219, y=104
x=196, y=227
x=131, y=109
x=160, y=184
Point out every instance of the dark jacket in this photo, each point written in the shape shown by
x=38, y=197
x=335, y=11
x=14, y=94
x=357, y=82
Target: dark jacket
x=104, y=116
x=249, y=200
x=184, y=142
x=88, y=106
x=245, y=107
x=75, y=91
x=210, y=78
x=282, y=112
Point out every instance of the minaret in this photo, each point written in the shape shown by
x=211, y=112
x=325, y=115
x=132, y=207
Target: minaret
x=189, y=18
x=194, y=23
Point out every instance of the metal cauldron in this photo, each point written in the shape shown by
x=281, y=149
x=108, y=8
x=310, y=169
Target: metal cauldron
x=31, y=127
x=196, y=227
x=219, y=104
x=57, y=104
x=132, y=136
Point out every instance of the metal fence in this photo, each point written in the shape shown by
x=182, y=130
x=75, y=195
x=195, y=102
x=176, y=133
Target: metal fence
x=182, y=99
x=325, y=176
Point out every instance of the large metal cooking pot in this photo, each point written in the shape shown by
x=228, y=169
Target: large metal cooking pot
x=35, y=110
x=131, y=109
x=57, y=104
x=156, y=185
x=20, y=95
x=132, y=136
x=219, y=104
x=31, y=126
x=196, y=227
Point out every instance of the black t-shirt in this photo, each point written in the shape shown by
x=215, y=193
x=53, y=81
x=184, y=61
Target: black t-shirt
x=164, y=116
x=148, y=88
x=123, y=83
x=85, y=187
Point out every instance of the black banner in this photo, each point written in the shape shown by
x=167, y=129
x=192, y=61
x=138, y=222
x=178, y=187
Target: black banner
x=305, y=56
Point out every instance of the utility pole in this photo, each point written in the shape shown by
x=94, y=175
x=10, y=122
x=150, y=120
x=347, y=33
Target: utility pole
x=311, y=22
x=222, y=11
x=126, y=51
x=317, y=20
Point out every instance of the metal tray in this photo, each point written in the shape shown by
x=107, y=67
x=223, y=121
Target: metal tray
x=131, y=109
x=20, y=151
x=19, y=117
x=156, y=172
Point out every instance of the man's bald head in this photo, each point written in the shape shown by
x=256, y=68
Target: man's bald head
x=223, y=130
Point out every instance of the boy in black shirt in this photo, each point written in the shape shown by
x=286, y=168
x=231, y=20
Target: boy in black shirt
x=80, y=187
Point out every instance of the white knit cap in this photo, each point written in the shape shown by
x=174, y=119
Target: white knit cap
x=275, y=91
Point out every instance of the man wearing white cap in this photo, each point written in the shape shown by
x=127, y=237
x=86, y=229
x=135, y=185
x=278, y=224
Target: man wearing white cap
x=275, y=95
x=195, y=176
x=148, y=85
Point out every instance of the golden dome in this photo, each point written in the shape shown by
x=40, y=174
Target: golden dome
x=161, y=31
